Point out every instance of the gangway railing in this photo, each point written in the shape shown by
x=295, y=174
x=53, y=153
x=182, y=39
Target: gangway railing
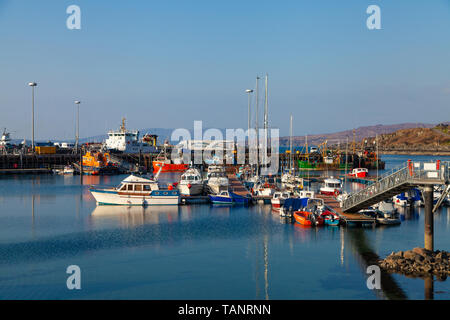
x=396, y=181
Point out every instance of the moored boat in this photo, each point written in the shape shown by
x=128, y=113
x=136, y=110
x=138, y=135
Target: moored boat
x=359, y=173
x=224, y=197
x=98, y=163
x=330, y=218
x=191, y=182
x=136, y=191
x=217, y=179
x=306, y=218
x=278, y=199
x=168, y=165
x=331, y=187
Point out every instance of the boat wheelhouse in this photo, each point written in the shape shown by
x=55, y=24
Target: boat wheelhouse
x=191, y=182
x=217, y=180
x=279, y=198
x=359, y=173
x=331, y=187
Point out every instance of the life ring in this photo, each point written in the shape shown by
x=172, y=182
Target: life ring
x=336, y=193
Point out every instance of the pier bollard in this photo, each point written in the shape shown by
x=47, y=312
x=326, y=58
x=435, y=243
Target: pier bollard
x=429, y=223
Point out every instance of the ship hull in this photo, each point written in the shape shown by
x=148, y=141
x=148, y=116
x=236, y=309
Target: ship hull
x=169, y=167
x=159, y=197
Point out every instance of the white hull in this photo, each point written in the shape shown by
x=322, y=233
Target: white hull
x=216, y=189
x=113, y=198
x=194, y=190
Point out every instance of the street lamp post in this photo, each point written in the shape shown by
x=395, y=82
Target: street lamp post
x=249, y=92
x=77, y=138
x=32, y=85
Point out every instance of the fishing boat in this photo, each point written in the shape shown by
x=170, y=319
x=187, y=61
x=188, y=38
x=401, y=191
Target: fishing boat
x=265, y=188
x=191, y=183
x=278, y=199
x=137, y=191
x=359, y=173
x=217, y=179
x=306, y=218
x=168, y=165
x=331, y=187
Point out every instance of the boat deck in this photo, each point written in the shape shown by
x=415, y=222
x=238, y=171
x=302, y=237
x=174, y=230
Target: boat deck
x=354, y=218
x=236, y=185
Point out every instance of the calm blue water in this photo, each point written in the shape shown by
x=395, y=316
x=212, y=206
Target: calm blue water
x=189, y=252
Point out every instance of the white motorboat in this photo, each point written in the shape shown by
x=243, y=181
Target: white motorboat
x=191, y=182
x=291, y=182
x=137, y=191
x=217, y=179
x=331, y=187
x=279, y=198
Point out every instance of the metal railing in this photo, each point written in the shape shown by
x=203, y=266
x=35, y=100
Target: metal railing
x=414, y=173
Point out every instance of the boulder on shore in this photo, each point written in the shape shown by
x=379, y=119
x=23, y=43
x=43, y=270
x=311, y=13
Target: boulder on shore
x=418, y=261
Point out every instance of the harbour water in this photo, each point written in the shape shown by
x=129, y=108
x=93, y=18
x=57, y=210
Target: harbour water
x=48, y=222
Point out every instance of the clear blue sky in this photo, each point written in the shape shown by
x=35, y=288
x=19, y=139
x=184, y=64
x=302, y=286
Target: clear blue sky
x=168, y=63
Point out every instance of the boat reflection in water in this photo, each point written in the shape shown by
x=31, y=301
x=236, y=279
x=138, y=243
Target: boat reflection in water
x=131, y=216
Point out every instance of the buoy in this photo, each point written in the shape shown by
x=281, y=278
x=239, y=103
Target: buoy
x=170, y=187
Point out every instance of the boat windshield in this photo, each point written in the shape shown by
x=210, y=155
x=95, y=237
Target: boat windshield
x=333, y=185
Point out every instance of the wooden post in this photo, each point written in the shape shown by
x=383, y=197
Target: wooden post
x=429, y=223
x=429, y=288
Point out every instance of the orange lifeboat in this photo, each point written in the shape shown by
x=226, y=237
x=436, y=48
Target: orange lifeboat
x=307, y=218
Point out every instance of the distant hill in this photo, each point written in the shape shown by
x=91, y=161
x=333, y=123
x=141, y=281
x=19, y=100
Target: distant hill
x=360, y=134
x=416, y=139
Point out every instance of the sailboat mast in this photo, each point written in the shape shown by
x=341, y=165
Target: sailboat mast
x=290, y=146
x=256, y=127
x=266, y=121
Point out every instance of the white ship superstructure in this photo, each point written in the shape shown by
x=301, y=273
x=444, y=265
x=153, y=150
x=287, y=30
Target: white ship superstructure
x=127, y=141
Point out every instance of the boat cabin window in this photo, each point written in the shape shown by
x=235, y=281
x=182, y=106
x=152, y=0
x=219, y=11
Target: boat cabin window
x=138, y=187
x=147, y=187
x=224, y=193
x=130, y=187
x=334, y=185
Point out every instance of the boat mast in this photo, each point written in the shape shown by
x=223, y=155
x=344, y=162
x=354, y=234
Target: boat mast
x=376, y=155
x=346, y=157
x=290, y=146
x=256, y=128
x=266, y=121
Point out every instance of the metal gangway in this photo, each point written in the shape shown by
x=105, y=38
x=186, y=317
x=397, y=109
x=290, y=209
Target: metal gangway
x=399, y=180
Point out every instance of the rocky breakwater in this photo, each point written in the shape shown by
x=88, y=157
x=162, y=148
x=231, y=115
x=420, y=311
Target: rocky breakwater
x=418, y=262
